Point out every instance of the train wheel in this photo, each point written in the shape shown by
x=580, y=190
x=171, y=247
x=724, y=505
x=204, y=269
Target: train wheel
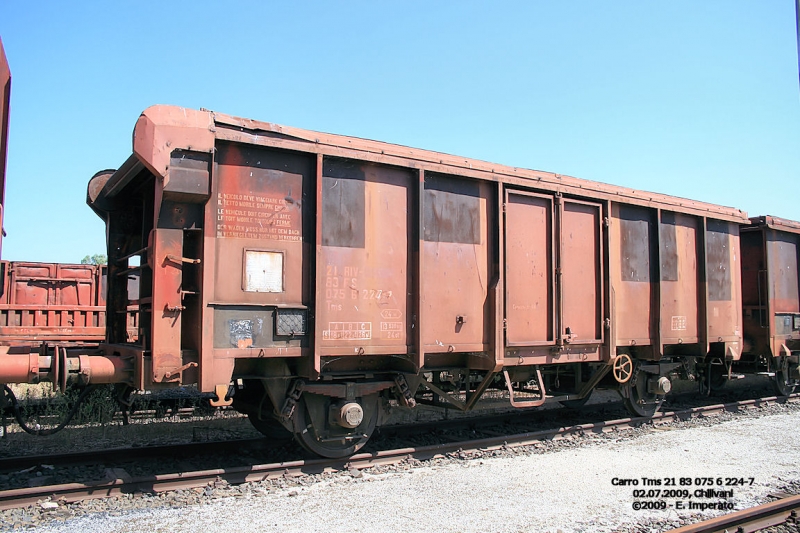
x=784, y=383
x=636, y=397
x=270, y=428
x=334, y=429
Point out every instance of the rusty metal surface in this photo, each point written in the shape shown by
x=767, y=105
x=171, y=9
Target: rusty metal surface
x=630, y=274
x=679, y=279
x=776, y=223
x=329, y=253
x=723, y=283
x=530, y=284
x=674, y=284
x=5, y=102
x=455, y=274
x=581, y=260
x=782, y=252
x=771, y=285
x=53, y=302
x=363, y=297
x=266, y=133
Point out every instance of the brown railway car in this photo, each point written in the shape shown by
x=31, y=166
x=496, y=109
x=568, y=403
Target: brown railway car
x=771, y=300
x=52, y=303
x=310, y=278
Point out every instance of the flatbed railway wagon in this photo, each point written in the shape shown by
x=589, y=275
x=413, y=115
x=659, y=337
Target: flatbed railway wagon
x=309, y=279
x=54, y=303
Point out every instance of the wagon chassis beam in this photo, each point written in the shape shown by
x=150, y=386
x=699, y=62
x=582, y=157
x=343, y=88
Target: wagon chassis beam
x=472, y=396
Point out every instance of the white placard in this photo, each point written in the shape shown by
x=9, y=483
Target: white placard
x=263, y=271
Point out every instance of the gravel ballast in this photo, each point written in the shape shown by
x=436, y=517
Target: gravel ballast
x=568, y=487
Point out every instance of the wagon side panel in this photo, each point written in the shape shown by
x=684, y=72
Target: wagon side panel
x=365, y=261
x=631, y=265
x=455, y=276
x=723, y=285
x=678, y=255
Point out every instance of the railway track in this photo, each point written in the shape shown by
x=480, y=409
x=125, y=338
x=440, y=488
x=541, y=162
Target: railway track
x=782, y=511
x=119, y=482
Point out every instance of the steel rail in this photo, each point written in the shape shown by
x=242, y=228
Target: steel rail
x=110, y=455
x=17, y=463
x=119, y=482
x=749, y=520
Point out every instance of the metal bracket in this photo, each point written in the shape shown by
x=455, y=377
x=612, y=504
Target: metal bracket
x=406, y=396
x=221, y=391
x=289, y=406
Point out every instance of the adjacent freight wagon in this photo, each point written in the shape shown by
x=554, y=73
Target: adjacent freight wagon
x=54, y=303
x=310, y=279
x=771, y=300
x=51, y=302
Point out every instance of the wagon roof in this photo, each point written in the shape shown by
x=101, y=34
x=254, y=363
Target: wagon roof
x=162, y=129
x=776, y=223
x=447, y=163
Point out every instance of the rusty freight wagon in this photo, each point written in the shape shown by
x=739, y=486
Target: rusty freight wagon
x=55, y=303
x=51, y=302
x=771, y=300
x=309, y=279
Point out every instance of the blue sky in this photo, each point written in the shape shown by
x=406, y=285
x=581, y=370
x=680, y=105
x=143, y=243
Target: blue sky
x=698, y=99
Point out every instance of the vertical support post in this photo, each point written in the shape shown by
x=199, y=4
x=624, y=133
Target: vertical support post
x=702, y=267
x=499, y=289
x=608, y=289
x=558, y=244
x=206, y=377
x=166, y=250
x=320, y=268
x=769, y=312
x=658, y=345
x=419, y=297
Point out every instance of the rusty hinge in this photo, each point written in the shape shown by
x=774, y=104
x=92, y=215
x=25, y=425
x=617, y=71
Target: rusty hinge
x=606, y=222
x=607, y=323
x=505, y=323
